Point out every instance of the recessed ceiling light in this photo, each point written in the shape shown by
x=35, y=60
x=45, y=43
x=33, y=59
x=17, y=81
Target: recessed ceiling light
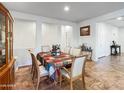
x=66, y=8
x=119, y=18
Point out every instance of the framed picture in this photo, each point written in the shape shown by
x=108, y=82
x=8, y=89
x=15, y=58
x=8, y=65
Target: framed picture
x=85, y=31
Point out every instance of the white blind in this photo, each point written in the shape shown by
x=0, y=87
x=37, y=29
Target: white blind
x=51, y=34
x=66, y=36
x=24, y=34
x=24, y=38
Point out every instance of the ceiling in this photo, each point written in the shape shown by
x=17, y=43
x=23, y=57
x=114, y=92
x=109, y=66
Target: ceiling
x=115, y=22
x=78, y=10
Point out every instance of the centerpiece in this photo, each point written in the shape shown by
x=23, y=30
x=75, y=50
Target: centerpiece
x=56, y=50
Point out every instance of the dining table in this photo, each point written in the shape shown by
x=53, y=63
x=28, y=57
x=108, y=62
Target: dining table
x=53, y=64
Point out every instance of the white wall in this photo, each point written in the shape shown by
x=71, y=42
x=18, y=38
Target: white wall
x=92, y=39
x=121, y=38
x=106, y=33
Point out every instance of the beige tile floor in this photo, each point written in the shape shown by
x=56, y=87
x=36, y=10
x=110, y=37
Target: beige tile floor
x=106, y=74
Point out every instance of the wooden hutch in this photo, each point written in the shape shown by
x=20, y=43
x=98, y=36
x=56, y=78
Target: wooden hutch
x=6, y=50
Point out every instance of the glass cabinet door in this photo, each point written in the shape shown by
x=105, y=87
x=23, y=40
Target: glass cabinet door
x=9, y=40
x=2, y=40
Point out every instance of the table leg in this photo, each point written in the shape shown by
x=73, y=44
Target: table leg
x=116, y=51
x=111, y=50
x=119, y=50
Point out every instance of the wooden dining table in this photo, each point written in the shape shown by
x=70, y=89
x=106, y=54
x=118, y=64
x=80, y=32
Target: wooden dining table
x=53, y=64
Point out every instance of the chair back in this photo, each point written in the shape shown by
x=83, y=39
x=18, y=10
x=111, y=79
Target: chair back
x=67, y=50
x=45, y=48
x=78, y=66
x=75, y=51
x=71, y=51
x=30, y=51
x=35, y=64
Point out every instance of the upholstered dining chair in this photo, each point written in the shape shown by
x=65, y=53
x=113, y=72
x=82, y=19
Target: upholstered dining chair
x=45, y=48
x=31, y=50
x=39, y=71
x=75, y=52
x=77, y=71
x=67, y=50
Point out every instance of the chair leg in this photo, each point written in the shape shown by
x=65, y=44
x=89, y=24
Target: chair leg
x=83, y=81
x=37, y=85
x=33, y=75
x=71, y=85
x=31, y=69
x=60, y=78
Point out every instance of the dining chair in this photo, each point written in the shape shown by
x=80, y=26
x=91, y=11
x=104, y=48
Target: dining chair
x=31, y=50
x=67, y=50
x=39, y=71
x=77, y=71
x=75, y=51
x=45, y=48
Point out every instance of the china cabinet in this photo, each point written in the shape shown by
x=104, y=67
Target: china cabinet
x=6, y=49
